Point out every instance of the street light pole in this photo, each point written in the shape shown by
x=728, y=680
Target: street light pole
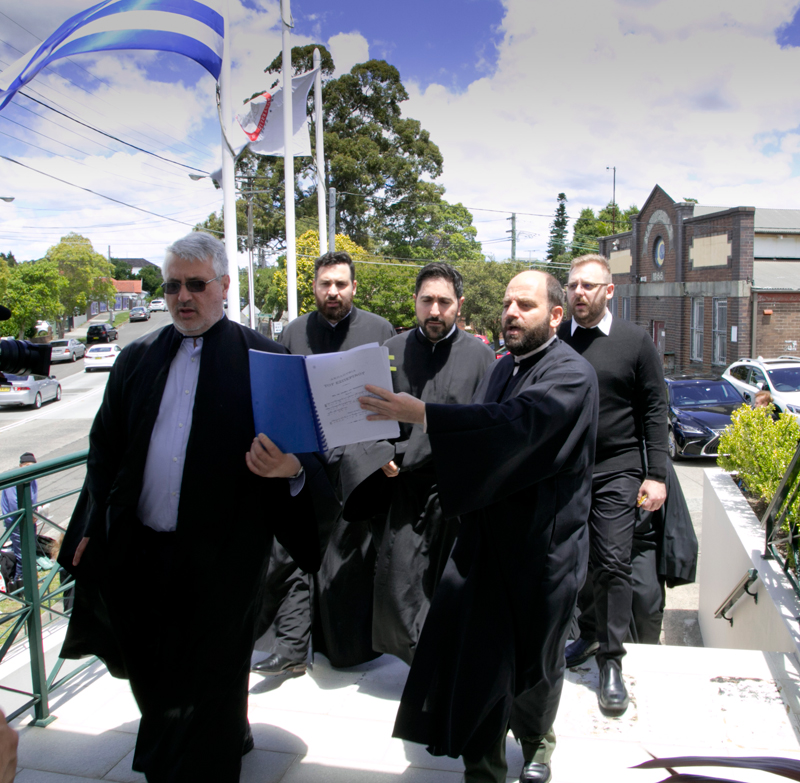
x=613, y=200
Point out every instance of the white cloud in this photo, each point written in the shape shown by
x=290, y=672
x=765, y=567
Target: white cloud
x=678, y=93
x=347, y=50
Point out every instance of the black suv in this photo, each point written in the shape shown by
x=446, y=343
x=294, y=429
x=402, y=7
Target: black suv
x=101, y=333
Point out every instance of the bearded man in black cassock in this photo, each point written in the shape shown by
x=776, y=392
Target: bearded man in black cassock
x=176, y=484
x=337, y=602
x=491, y=654
x=437, y=362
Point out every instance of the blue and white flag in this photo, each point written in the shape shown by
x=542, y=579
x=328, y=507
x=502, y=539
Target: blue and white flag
x=188, y=27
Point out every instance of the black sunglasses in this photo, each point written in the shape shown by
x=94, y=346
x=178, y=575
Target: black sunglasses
x=192, y=286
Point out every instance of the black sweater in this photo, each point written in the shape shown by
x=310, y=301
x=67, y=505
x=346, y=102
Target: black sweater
x=633, y=403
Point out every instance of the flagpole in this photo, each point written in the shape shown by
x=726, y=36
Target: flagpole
x=228, y=175
x=288, y=162
x=323, y=233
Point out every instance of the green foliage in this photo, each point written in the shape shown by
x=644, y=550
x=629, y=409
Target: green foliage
x=122, y=271
x=86, y=274
x=9, y=258
x=485, y=285
x=610, y=220
x=557, y=244
x=151, y=280
x=32, y=293
x=380, y=163
x=262, y=284
x=585, y=233
x=759, y=449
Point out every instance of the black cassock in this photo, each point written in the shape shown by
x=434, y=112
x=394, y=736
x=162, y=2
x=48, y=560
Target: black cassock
x=416, y=538
x=342, y=590
x=153, y=606
x=517, y=469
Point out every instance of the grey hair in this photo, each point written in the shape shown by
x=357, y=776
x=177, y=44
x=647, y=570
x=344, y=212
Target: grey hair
x=198, y=246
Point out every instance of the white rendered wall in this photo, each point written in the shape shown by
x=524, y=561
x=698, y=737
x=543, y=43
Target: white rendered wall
x=733, y=542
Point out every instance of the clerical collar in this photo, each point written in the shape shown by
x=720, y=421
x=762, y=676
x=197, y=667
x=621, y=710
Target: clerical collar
x=519, y=359
x=446, y=337
x=604, y=326
x=334, y=324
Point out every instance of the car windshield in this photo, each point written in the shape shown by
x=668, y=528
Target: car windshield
x=101, y=349
x=785, y=379
x=711, y=393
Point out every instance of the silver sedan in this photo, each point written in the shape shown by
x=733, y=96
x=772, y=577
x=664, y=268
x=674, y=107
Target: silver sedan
x=69, y=350
x=28, y=389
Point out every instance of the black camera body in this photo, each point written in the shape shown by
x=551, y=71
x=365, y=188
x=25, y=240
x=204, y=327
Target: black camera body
x=20, y=357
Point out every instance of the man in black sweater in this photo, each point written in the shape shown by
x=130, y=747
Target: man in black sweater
x=632, y=423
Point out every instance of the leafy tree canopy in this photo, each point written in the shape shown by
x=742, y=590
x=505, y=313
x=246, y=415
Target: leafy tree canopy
x=151, y=279
x=380, y=163
x=32, y=292
x=588, y=228
x=85, y=273
x=9, y=258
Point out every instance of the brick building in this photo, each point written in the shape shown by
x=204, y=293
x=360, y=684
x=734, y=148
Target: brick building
x=710, y=284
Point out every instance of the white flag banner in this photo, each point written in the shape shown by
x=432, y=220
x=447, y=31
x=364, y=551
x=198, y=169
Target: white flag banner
x=262, y=121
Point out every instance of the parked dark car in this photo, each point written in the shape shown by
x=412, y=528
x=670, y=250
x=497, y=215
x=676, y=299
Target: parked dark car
x=699, y=410
x=101, y=333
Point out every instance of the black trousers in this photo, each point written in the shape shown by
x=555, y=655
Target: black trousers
x=611, y=532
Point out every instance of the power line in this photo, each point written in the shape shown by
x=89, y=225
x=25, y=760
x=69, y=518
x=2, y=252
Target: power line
x=102, y=195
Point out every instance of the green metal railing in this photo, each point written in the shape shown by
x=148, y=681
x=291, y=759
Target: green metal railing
x=37, y=595
x=781, y=541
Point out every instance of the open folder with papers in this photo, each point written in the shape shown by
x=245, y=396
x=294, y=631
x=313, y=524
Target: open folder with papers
x=310, y=403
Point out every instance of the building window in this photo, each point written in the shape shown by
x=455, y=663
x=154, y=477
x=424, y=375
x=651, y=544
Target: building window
x=698, y=314
x=612, y=308
x=720, y=329
x=626, y=308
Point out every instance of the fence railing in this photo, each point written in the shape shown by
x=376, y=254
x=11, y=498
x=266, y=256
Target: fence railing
x=782, y=537
x=38, y=596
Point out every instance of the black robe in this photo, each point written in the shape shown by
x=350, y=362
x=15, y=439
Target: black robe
x=417, y=539
x=342, y=590
x=517, y=469
x=150, y=610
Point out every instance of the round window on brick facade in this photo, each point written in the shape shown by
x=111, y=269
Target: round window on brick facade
x=659, y=252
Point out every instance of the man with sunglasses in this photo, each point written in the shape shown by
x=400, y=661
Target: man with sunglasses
x=632, y=426
x=175, y=482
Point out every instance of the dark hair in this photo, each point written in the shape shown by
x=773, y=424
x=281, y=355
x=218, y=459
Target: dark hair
x=333, y=259
x=555, y=292
x=445, y=272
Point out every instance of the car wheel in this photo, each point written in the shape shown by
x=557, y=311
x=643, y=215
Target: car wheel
x=58, y=393
x=74, y=356
x=37, y=403
x=672, y=446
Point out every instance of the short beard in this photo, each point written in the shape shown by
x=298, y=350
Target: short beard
x=432, y=336
x=531, y=339
x=337, y=316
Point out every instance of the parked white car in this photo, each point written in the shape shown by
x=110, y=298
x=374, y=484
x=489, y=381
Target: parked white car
x=780, y=377
x=100, y=357
x=67, y=350
x=28, y=389
x=157, y=304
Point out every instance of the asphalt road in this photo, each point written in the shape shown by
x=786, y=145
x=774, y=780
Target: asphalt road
x=61, y=428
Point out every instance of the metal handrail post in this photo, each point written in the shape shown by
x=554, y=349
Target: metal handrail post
x=30, y=580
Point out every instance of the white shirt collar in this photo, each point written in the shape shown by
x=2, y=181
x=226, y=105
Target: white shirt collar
x=604, y=326
x=518, y=359
x=452, y=329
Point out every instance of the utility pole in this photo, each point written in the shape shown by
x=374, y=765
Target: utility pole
x=613, y=200
x=251, y=298
x=331, y=220
x=513, y=233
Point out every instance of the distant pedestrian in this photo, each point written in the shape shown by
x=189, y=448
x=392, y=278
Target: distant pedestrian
x=8, y=505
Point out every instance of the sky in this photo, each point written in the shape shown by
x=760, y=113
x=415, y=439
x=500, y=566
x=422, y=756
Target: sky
x=525, y=98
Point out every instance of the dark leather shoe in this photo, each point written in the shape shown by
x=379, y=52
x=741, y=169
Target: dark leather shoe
x=613, y=697
x=533, y=772
x=580, y=651
x=278, y=664
x=249, y=742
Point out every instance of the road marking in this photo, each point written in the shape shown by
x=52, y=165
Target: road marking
x=42, y=413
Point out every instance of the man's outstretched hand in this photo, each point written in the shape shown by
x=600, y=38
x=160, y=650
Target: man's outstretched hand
x=267, y=460
x=388, y=406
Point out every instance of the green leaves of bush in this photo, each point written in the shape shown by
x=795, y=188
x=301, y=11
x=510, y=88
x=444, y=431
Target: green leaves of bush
x=759, y=449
